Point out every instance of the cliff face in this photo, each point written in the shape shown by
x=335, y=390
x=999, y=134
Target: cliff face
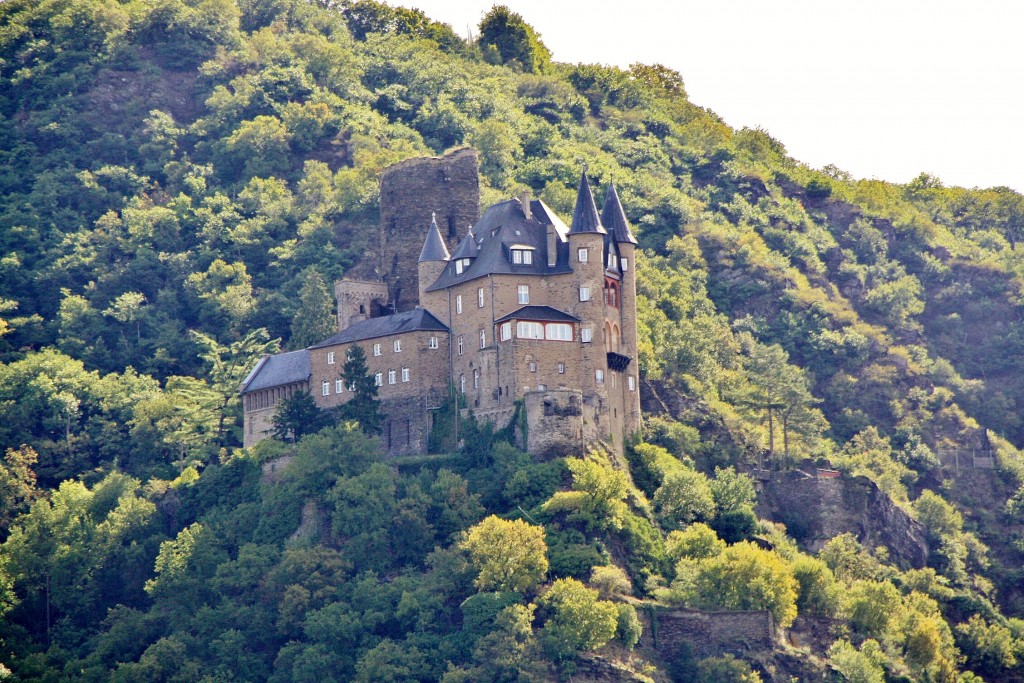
x=816, y=509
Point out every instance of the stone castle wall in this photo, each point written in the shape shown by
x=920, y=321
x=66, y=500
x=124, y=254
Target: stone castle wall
x=410, y=192
x=672, y=632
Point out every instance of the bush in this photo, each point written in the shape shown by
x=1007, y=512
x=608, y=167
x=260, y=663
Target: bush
x=629, y=628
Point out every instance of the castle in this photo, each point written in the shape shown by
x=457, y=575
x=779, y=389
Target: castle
x=521, y=310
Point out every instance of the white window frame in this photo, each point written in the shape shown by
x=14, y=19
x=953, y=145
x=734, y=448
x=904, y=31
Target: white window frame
x=458, y=266
x=587, y=335
x=506, y=331
x=397, y=346
x=631, y=381
x=476, y=379
x=392, y=376
x=462, y=384
x=376, y=349
x=599, y=376
x=523, y=294
x=624, y=264
x=432, y=343
x=612, y=258
x=405, y=374
x=330, y=357
x=378, y=379
x=461, y=345
x=558, y=332
x=582, y=255
x=325, y=388
x=533, y=366
x=584, y=293
x=529, y=330
x=517, y=256
x=480, y=297
x=458, y=304
x=483, y=339
x=339, y=385
x=561, y=368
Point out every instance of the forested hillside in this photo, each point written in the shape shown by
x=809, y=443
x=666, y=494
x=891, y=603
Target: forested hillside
x=180, y=178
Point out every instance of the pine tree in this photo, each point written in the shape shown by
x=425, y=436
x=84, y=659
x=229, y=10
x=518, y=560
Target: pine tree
x=314, y=321
x=363, y=407
x=297, y=416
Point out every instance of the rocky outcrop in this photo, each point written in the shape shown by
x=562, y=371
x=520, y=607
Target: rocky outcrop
x=817, y=507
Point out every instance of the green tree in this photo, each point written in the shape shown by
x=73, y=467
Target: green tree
x=298, y=415
x=509, y=555
x=363, y=407
x=314, y=321
x=17, y=485
x=685, y=497
x=507, y=39
x=726, y=668
x=577, y=621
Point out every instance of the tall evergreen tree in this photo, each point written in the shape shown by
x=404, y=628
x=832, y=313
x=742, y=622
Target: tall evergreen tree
x=314, y=321
x=363, y=407
x=297, y=416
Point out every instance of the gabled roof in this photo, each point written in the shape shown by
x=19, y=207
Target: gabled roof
x=545, y=314
x=467, y=247
x=614, y=218
x=278, y=370
x=502, y=227
x=584, y=216
x=434, y=248
x=397, y=323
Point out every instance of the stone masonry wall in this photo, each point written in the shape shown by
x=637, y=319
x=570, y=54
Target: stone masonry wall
x=707, y=633
x=410, y=191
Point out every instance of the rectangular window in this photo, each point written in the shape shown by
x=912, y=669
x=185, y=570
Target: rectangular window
x=631, y=381
x=405, y=374
x=533, y=366
x=462, y=383
x=458, y=304
x=325, y=388
x=376, y=349
x=517, y=256
x=506, y=331
x=582, y=255
x=525, y=330
x=561, y=368
x=432, y=343
x=524, y=294
x=392, y=376
x=584, y=293
x=476, y=379
x=330, y=358
x=338, y=386
x=483, y=339
x=558, y=331
x=460, y=345
x=624, y=264
x=599, y=376
x=480, y=298
x=612, y=261
x=458, y=267
x=378, y=379
x=528, y=257
x=586, y=335
x=398, y=345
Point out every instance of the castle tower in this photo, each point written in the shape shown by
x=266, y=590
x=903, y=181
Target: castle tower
x=614, y=219
x=433, y=259
x=586, y=256
x=410, y=192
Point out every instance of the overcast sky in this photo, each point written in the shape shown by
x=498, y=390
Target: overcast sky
x=881, y=88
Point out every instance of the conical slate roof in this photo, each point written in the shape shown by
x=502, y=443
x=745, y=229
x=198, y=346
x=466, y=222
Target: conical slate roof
x=467, y=247
x=434, y=248
x=584, y=216
x=614, y=218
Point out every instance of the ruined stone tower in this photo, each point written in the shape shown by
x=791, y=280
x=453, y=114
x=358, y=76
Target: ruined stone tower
x=410, y=192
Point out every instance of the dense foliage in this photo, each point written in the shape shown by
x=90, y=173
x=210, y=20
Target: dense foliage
x=180, y=181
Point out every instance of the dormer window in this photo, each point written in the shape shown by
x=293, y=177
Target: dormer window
x=461, y=265
x=613, y=261
x=522, y=255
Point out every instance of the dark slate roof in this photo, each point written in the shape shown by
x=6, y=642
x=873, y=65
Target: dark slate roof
x=278, y=370
x=614, y=218
x=467, y=248
x=397, y=323
x=434, y=248
x=503, y=226
x=541, y=313
x=584, y=216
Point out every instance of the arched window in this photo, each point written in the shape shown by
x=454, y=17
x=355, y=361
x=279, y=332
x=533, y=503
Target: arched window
x=607, y=336
x=616, y=338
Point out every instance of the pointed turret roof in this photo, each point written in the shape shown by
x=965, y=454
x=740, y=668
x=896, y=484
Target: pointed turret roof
x=467, y=247
x=614, y=218
x=584, y=216
x=434, y=248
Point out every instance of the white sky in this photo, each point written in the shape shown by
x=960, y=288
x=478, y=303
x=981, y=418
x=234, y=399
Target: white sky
x=881, y=88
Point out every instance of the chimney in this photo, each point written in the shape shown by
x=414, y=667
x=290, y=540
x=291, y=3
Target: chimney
x=552, y=247
x=524, y=201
